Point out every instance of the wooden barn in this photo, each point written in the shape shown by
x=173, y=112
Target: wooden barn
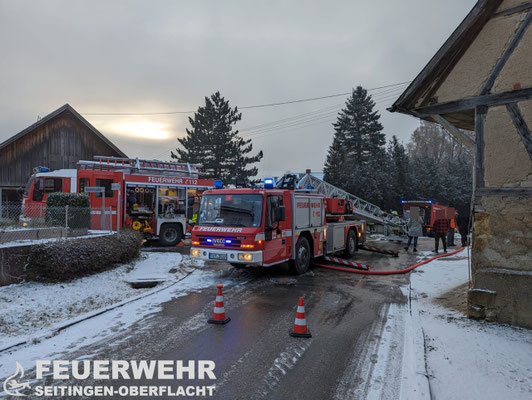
x=481, y=80
x=59, y=140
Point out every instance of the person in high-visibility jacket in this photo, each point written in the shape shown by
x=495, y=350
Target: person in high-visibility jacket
x=450, y=234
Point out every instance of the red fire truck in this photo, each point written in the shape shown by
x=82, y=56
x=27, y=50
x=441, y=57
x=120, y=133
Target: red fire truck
x=427, y=212
x=156, y=198
x=264, y=227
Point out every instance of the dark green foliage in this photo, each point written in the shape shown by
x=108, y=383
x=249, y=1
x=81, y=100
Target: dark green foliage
x=399, y=182
x=357, y=160
x=432, y=166
x=78, y=212
x=212, y=142
x=59, y=199
x=63, y=260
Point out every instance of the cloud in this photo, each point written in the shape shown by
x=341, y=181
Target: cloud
x=144, y=56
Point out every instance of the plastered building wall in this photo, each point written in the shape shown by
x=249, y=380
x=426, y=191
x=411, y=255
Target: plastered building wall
x=472, y=70
x=506, y=161
x=518, y=68
x=507, y=4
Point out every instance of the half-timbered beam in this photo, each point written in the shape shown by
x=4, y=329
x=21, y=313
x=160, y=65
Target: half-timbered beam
x=504, y=191
x=480, y=119
x=514, y=10
x=521, y=126
x=470, y=103
x=453, y=130
x=506, y=54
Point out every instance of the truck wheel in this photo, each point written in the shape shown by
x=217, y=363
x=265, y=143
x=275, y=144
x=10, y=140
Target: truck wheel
x=170, y=234
x=351, y=245
x=301, y=263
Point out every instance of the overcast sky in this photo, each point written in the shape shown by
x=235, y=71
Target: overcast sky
x=160, y=56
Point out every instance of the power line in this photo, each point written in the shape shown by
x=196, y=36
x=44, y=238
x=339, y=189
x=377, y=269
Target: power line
x=244, y=107
x=303, y=123
x=309, y=118
x=375, y=97
x=317, y=98
x=293, y=128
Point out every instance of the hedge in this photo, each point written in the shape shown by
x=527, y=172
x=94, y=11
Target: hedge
x=59, y=199
x=64, y=260
x=79, y=212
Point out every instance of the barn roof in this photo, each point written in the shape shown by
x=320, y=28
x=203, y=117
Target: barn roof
x=60, y=110
x=420, y=92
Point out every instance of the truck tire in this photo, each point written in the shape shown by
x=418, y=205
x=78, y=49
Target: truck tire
x=302, y=262
x=351, y=244
x=170, y=234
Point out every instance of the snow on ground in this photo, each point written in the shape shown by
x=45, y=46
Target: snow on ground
x=468, y=359
x=29, y=307
x=18, y=243
x=101, y=292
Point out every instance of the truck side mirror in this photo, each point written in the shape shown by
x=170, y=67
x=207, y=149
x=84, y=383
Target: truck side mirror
x=280, y=213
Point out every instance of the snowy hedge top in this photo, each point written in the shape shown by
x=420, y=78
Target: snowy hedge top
x=59, y=199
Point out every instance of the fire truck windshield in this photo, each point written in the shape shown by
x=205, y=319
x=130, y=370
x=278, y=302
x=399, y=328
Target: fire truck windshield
x=231, y=210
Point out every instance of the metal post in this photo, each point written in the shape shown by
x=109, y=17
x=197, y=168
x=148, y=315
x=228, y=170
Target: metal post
x=186, y=203
x=102, y=219
x=66, y=216
x=0, y=202
x=118, y=212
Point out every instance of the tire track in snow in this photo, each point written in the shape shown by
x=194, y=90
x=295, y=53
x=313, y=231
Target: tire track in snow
x=281, y=366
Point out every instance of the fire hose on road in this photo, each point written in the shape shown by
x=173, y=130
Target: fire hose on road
x=395, y=272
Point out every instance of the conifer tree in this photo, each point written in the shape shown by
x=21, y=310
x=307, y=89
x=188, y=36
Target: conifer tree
x=212, y=142
x=357, y=158
x=400, y=185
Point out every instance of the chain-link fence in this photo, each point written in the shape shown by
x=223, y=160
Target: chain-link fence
x=37, y=221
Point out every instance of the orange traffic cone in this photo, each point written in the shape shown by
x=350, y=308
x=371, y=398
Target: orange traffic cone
x=300, y=324
x=218, y=316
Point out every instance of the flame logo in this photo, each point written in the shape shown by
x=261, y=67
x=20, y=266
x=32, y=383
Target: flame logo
x=11, y=384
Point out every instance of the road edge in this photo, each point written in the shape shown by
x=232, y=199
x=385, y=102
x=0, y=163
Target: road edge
x=414, y=366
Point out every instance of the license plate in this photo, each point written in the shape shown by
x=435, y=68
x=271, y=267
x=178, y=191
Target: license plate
x=218, y=256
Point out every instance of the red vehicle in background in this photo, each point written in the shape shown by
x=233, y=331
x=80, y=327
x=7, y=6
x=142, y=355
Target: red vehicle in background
x=265, y=227
x=427, y=212
x=154, y=197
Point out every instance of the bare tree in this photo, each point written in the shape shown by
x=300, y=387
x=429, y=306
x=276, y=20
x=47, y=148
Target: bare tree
x=434, y=142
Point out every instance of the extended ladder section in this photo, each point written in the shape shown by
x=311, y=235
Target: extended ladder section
x=137, y=165
x=387, y=224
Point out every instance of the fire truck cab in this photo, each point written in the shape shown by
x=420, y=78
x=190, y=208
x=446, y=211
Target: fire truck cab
x=265, y=227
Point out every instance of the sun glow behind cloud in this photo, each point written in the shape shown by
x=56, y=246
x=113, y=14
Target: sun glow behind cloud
x=141, y=129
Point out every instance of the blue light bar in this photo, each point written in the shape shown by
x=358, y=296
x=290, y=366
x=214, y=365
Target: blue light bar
x=218, y=184
x=44, y=169
x=228, y=241
x=209, y=240
x=268, y=183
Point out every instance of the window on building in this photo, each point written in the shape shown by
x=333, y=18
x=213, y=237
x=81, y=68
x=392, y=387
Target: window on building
x=83, y=182
x=106, y=183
